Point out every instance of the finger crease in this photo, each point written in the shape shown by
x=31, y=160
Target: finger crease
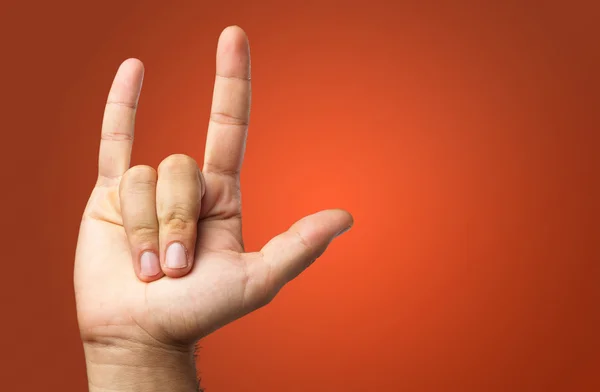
x=227, y=119
x=122, y=103
x=248, y=79
x=302, y=240
x=117, y=136
x=212, y=168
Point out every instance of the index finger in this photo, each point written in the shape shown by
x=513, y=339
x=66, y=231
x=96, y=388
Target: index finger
x=230, y=111
x=118, y=122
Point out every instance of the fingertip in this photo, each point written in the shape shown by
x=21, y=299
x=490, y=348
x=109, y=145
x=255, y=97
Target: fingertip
x=176, y=272
x=289, y=253
x=178, y=260
x=233, y=40
x=132, y=71
x=320, y=228
x=333, y=220
x=133, y=64
x=345, y=218
x=346, y=222
x=233, y=53
x=127, y=83
x=234, y=33
x=149, y=279
x=148, y=269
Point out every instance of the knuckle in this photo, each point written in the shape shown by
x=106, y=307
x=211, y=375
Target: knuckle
x=138, y=179
x=141, y=170
x=267, y=298
x=268, y=288
x=178, y=218
x=141, y=174
x=178, y=163
x=143, y=232
x=262, y=297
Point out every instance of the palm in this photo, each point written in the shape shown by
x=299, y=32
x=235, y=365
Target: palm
x=224, y=283
x=112, y=301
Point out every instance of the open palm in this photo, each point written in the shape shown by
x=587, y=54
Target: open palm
x=126, y=285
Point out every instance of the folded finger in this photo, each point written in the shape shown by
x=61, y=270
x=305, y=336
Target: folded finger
x=137, y=193
x=178, y=195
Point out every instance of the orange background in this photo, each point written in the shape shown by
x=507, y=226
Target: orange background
x=463, y=136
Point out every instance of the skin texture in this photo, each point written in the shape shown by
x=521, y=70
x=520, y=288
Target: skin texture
x=139, y=330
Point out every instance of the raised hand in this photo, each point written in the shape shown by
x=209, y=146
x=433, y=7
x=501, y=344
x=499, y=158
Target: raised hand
x=160, y=259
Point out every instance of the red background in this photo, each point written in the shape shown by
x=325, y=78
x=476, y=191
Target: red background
x=463, y=137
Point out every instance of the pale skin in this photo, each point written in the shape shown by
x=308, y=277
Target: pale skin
x=142, y=305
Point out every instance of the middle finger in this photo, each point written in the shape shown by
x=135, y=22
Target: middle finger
x=179, y=192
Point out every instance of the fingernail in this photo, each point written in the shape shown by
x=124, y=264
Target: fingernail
x=149, y=264
x=342, y=232
x=176, y=256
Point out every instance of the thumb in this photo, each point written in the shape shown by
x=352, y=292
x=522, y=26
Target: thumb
x=291, y=252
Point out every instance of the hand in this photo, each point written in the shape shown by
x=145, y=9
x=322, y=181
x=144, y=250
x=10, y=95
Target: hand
x=128, y=291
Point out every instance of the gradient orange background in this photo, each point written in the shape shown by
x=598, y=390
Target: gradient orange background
x=463, y=136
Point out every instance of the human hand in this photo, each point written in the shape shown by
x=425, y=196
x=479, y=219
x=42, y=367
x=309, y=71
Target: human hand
x=129, y=298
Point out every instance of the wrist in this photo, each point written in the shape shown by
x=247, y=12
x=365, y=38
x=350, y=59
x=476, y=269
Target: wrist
x=136, y=367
